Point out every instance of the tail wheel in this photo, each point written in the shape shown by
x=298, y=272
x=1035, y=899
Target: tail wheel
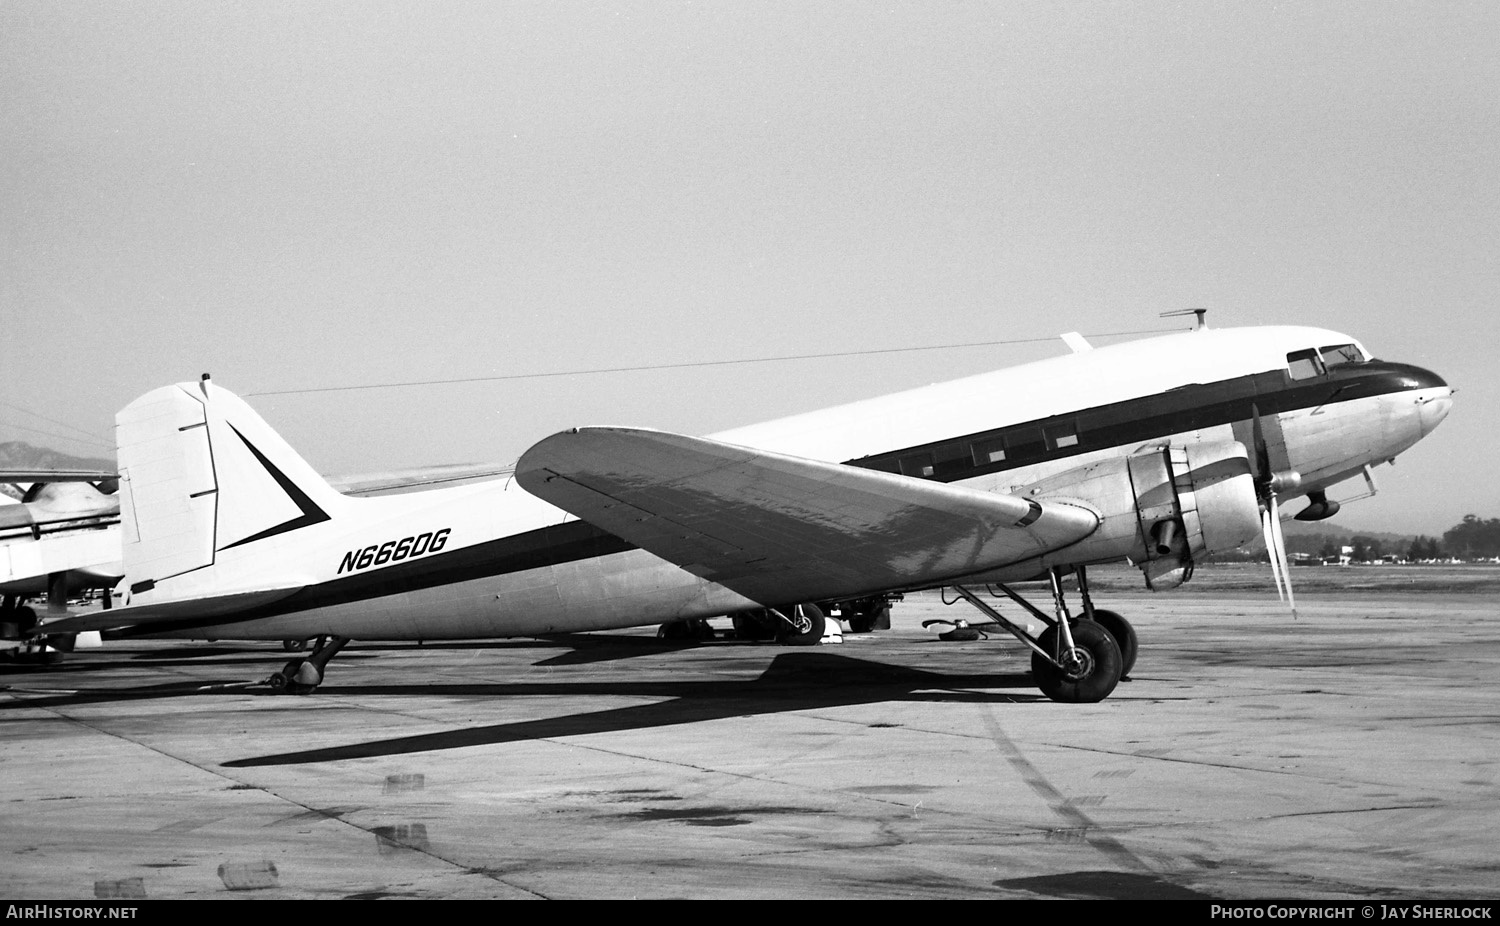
x=808, y=630
x=1124, y=635
x=1090, y=670
x=296, y=678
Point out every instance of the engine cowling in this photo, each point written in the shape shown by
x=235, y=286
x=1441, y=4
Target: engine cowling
x=1162, y=509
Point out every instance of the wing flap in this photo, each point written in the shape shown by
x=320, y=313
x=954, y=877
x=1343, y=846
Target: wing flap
x=778, y=528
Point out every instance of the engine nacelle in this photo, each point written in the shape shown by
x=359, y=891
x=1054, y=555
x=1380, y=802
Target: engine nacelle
x=1163, y=510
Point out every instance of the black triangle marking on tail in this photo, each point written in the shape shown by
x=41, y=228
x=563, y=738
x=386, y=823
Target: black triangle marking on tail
x=311, y=512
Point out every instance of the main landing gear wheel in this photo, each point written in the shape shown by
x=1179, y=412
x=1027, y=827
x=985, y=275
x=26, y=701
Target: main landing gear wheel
x=807, y=629
x=1124, y=635
x=1090, y=670
x=692, y=629
x=755, y=626
x=16, y=622
x=867, y=615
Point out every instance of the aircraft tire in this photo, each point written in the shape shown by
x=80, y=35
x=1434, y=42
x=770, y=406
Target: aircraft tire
x=691, y=629
x=25, y=619
x=284, y=682
x=812, y=636
x=1124, y=635
x=754, y=626
x=1097, y=668
x=870, y=619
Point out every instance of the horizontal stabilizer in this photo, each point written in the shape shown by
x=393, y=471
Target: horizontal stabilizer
x=781, y=529
x=202, y=610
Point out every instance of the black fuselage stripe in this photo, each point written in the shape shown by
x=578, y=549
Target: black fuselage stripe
x=1117, y=424
x=536, y=549
x=1135, y=421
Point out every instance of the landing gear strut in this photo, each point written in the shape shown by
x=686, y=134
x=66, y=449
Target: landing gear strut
x=1075, y=660
x=1118, y=626
x=803, y=625
x=303, y=676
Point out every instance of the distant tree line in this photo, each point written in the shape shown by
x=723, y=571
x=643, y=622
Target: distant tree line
x=1425, y=548
x=1473, y=538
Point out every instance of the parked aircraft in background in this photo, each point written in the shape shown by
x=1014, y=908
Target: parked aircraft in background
x=1162, y=452
x=59, y=540
x=62, y=538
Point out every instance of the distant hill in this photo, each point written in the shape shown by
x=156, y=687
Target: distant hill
x=17, y=454
x=1302, y=529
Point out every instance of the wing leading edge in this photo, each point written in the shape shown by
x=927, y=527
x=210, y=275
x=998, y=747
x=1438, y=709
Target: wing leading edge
x=779, y=528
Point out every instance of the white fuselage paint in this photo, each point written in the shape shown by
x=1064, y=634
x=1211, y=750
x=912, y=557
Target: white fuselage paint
x=634, y=587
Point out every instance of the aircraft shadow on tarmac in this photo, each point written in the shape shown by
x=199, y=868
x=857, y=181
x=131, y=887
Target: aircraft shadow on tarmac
x=793, y=682
x=260, y=660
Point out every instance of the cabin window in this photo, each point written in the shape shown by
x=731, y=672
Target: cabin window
x=987, y=451
x=951, y=459
x=917, y=464
x=1340, y=354
x=1025, y=445
x=1061, y=436
x=1304, y=364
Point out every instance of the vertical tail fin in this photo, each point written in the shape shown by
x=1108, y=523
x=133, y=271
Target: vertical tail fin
x=202, y=473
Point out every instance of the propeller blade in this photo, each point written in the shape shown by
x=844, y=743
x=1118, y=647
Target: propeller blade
x=1266, y=484
x=1265, y=527
x=1262, y=450
x=1284, y=562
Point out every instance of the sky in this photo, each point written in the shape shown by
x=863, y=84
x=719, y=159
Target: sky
x=301, y=197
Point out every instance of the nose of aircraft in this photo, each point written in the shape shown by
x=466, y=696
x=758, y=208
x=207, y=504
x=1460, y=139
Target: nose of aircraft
x=1434, y=408
x=1434, y=398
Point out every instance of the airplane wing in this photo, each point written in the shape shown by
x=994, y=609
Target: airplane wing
x=779, y=528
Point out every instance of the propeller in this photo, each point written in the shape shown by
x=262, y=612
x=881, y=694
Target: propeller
x=1268, y=485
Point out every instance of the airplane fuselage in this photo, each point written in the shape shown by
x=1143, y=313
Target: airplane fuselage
x=490, y=560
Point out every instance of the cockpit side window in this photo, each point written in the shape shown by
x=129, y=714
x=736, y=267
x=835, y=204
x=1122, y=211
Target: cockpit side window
x=1340, y=354
x=1304, y=364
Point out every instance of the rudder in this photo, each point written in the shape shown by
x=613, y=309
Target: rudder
x=202, y=473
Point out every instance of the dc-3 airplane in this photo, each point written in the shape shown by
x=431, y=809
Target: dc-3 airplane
x=1161, y=452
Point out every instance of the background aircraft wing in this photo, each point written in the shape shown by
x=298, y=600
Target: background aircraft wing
x=56, y=475
x=781, y=529
x=396, y=482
